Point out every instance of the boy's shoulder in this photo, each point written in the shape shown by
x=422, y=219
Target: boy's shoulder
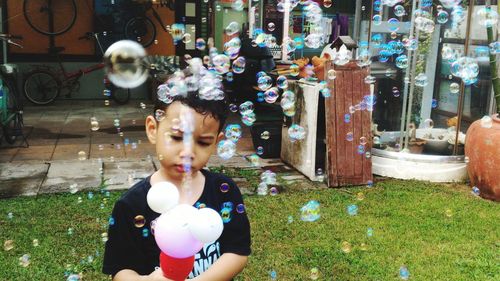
x=221, y=184
x=136, y=195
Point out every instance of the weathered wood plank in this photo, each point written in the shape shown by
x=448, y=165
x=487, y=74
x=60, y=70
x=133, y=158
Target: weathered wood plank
x=345, y=165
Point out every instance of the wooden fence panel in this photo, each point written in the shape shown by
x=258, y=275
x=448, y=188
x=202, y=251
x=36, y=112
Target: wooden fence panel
x=345, y=164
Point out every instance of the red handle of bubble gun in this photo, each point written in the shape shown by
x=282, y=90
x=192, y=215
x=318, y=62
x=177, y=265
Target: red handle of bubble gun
x=174, y=268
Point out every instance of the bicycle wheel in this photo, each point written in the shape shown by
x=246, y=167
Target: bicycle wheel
x=141, y=30
x=41, y=87
x=120, y=95
x=39, y=12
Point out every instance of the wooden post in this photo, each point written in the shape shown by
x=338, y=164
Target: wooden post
x=345, y=165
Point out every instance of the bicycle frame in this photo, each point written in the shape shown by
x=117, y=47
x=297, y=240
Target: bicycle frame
x=79, y=72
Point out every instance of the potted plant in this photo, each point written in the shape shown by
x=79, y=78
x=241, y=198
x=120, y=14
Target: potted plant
x=482, y=145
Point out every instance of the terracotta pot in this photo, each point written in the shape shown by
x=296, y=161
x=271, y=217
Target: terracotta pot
x=482, y=147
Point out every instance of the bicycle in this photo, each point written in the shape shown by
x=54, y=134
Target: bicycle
x=50, y=17
x=11, y=114
x=43, y=85
x=137, y=26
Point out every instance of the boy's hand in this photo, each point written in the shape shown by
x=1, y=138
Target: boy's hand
x=157, y=275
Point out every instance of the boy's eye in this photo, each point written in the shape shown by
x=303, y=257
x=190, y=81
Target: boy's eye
x=176, y=138
x=204, y=143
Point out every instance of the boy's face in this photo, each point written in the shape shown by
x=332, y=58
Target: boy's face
x=167, y=135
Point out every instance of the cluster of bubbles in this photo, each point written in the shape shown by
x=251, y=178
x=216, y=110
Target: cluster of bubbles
x=197, y=78
x=268, y=183
x=310, y=212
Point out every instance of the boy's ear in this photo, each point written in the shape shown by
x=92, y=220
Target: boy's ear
x=220, y=137
x=151, y=129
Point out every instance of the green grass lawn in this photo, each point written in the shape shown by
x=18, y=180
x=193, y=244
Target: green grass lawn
x=439, y=232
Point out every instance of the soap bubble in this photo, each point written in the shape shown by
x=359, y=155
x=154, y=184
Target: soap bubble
x=399, y=11
x=82, y=155
x=352, y=210
x=8, y=245
x=264, y=82
x=233, y=132
x=294, y=70
x=233, y=107
x=232, y=28
x=347, y=118
x=361, y=149
x=273, y=274
x=377, y=40
x=271, y=95
x=434, y=103
x=269, y=177
x=486, y=16
x=377, y=19
x=454, y=88
x=327, y=3
x=494, y=48
x=177, y=30
x=486, y=122
x=238, y=5
x=326, y=93
x=262, y=189
x=124, y=61
x=249, y=119
x=370, y=79
x=265, y=135
x=229, y=77
x=260, y=150
x=384, y=55
x=332, y=74
x=271, y=26
x=273, y=191
x=349, y=136
x=239, y=65
x=282, y=82
x=466, y=68
x=260, y=97
x=402, y=61
x=226, y=149
x=421, y=80
x=254, y=160
x=395, y=92
x=299, y=43
x=25, y=260
x=427, y=124
x=442, y=16
x=369, y=232
x=246, y=108
x=448, y=54
x=404, y=273
x=310, y=212
x=346, y=247
x=186, y=38
x=475, y=191
x=296, y=133
x=314, y=273
x=393, y=24
x=200, y=44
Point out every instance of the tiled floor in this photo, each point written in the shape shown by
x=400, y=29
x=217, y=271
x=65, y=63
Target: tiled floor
x=61, y=130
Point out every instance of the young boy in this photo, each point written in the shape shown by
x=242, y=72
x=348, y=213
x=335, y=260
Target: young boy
x=131, y=252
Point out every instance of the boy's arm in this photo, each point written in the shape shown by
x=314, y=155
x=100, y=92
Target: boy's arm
x=225, y=268
x=130, y=275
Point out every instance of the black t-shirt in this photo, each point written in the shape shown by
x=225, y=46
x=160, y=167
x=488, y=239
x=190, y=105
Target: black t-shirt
x=131, y=245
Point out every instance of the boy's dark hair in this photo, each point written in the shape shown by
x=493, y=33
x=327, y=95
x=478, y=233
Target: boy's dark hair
x=218, y=109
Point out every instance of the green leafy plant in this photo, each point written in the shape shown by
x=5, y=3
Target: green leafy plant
x=493, y=65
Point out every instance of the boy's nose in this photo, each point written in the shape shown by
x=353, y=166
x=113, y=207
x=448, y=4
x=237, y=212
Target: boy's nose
x=186, y=154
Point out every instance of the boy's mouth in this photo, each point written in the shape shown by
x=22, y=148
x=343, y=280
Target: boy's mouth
x=179, y=168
